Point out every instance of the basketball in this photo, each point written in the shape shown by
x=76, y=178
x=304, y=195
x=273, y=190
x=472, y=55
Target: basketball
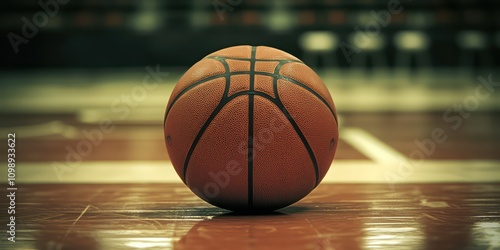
x=251, y=128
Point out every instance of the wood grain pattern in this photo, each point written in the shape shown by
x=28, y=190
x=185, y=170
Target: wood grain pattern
x=334, y=216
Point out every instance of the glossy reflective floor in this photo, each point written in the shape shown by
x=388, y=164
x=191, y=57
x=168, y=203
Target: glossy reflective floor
x=334, y=216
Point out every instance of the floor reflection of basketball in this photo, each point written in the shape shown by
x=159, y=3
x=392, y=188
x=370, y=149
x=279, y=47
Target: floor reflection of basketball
x=251, y=128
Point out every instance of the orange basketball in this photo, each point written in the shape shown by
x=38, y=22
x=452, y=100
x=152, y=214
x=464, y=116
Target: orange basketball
x=251, y=128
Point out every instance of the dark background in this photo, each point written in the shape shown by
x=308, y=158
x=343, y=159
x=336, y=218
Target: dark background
x=126, y=33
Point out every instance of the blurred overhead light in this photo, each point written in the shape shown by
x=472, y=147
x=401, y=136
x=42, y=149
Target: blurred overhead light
x=319, y=41
x=411, y=40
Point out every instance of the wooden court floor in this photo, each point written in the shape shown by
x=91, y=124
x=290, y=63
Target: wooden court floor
x=124, y=194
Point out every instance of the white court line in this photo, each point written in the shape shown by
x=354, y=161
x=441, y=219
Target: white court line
x=390, y=164
x=370, y=146
x=40, y=131
x=341, y=171
x=137, y=115
x=44, y=129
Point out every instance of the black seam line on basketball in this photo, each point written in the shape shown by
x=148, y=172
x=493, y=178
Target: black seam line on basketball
x=291, y=80
x=250, y=127
x=216, y=111
x=303, y=139
x=283, y=110
x=204, y=80
x=312, y=92
x=209, y=120
x=228, y=74
x=255, y=59
x=298, y=83
x=228, y=78
x=280, y=104
x=275, y=79
x=250, y=93
x=200, y=134
x=292, y=122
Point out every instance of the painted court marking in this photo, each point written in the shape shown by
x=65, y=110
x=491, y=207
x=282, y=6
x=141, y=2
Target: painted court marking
x=388, y=160
x=342, y=171
x=44, y=129
x=371, y=146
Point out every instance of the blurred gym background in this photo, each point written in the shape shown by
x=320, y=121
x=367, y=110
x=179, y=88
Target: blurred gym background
x=125, y=33
x=376, y=55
